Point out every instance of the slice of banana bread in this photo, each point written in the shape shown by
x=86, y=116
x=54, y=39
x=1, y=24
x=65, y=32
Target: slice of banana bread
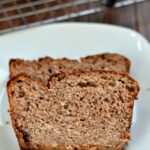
x=78, y=111
x=45, y=67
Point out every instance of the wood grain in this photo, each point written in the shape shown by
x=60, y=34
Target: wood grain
x=143, y=18
x=135, y=16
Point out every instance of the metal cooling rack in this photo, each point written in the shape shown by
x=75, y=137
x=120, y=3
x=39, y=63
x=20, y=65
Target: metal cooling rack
x=20, y=14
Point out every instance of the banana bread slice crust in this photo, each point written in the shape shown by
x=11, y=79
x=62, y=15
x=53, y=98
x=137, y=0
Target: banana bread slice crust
x=82, y=110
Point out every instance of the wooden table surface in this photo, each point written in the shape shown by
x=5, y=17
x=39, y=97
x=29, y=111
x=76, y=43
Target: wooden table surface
x=136, y=16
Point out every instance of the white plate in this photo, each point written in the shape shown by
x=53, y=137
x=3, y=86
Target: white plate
x=74, y=40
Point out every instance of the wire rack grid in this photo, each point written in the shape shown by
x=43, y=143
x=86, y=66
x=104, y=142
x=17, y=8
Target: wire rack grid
x=20, y=14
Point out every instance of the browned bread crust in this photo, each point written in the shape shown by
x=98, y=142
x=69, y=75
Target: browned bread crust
x=22, y=136
x=45, y=67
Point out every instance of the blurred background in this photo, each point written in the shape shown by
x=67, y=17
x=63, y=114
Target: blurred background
x=20, y=14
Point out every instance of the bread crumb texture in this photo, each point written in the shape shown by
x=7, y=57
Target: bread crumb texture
x=79, y=111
